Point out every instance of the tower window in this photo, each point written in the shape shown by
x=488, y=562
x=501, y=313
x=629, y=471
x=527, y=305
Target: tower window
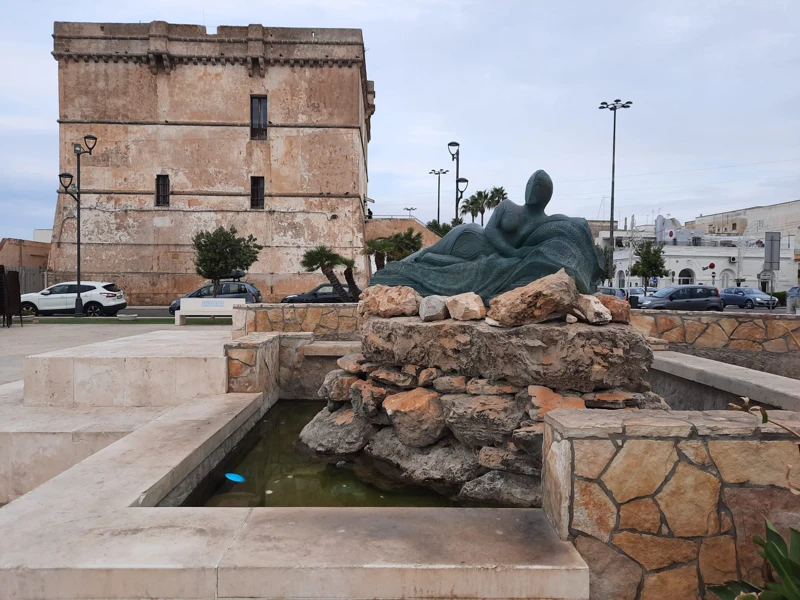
x=256, y=192
x=258, y=117
x=162, y=190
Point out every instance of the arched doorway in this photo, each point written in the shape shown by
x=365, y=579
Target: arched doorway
x=621, y=279
x=727, y=278
x=686, y=277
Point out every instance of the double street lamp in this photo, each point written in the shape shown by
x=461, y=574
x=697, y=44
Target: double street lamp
x=74, y=191
x=461, y=183
x=613, y=107
x=438, y=173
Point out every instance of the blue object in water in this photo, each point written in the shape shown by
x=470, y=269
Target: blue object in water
x=234, y=477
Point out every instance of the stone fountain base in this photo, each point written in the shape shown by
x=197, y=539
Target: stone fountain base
x=458, y=406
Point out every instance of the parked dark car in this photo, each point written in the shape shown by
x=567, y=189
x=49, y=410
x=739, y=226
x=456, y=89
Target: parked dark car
x=321, y=293
x=684, y=297
x=228, y=289
x=747, y=297
x=612, y=291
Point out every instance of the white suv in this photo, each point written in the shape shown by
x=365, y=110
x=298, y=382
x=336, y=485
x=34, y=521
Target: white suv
x=99, y=298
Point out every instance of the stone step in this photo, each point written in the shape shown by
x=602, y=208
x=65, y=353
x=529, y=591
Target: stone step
x=332, y=348
x=161, y=368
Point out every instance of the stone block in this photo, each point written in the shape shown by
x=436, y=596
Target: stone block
x=499, y=459
x=503, y=489
x=417, y=416
x=351, y=363
x=645, y=325
x=433, y=308
x=324, y=391
x=557, y=482
x=592, y=456
x=620, y=309
x=674, y=583
x=536, y=301
x=641, y=515
x=690, y=487
x=612, y=575
x=657, y=425
x=529, y=439
x=393, y=376
x=610, y=399
x=484, y=386
x=366, y=398
x=466, y=307
x=451, y=384
x=718, y=560
x=654, y=552
x=755, y=462
x=579, y=424
x=341, y=432
x=713, y=337
x=639, y=468
x=389, y=301
x=543, y=400
x=555, y=355
x=593, y=310
x=445, y=464
x=340, y=388
x=427, y=376
x=693, y=330
x=482, y=420
x=593, y=512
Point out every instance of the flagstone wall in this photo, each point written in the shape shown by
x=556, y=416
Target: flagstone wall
x=667, y=502
x=326, y=321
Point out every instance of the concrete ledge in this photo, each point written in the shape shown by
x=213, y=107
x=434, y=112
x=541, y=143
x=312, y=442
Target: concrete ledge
x=766, y=388
x=336, y=349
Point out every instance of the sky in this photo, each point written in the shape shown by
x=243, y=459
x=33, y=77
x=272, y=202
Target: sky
x=714, y=125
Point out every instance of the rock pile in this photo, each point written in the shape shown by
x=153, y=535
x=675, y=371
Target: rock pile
x=448, y=396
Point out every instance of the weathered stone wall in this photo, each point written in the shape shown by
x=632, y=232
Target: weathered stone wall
x=760, y=341
x=171, y=99
x=16, y=253
x=252, y=363
x=668, y=501
x=325, y=321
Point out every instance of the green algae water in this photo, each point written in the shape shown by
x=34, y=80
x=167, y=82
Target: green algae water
x=277, y=471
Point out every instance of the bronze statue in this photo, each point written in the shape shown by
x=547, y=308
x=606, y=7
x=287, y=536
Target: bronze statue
x=519, y=244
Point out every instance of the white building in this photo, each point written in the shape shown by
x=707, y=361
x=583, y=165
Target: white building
x=692, y=256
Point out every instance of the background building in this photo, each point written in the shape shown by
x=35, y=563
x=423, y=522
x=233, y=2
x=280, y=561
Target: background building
x=262, y=128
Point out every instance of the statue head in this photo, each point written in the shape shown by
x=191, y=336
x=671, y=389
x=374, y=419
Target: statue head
x=539, y=190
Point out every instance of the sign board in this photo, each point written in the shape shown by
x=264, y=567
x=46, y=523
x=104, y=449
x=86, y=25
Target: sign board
x=766, y=276
x=772, y=251
x=713, y=274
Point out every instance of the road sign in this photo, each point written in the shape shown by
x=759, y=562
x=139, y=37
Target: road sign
x=713, y=274
x=766, y=276
x=772, y=251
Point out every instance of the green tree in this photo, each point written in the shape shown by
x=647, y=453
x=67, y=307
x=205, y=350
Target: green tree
x=650, y=263
x=325, y=259
x=379, y=249
x=496, y=196
x=440, y=229
x=404, y=244
x=609, y=267
x=220, y=253
x=349, y=264
x=472, y=206
x=456, y=222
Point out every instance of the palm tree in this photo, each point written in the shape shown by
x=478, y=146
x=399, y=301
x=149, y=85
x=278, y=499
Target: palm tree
x=349, y=264
x=496, y=196
x=439, y=229
x=404, y=244
x=325, y=259
x=471, y=207
x=378, y=248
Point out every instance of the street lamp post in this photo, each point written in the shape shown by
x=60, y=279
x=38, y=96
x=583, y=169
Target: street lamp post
x=613, y=107
x=409, y=210
x=74, y=191
x=438, y=173
x=455, y=154
x=461, y=187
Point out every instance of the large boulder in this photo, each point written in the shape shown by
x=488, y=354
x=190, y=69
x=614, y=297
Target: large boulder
x=557, y=355
x=330, y=379
x=620, y=309
x=482, y=420
x=446, y=464
x=499, y=459
x=417, y=416
x=389, y=301
x=503, y=489
x=593, y=310
x=536, y=301
x=433, y=308
x=366, y=398
x=340, y=432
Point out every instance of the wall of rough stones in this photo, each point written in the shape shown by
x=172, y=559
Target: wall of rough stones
x=325, y=321
x=663, y=504
x=758, y=341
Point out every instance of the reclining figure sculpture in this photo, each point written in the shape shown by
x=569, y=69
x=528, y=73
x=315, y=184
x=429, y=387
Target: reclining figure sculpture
x=519, y=245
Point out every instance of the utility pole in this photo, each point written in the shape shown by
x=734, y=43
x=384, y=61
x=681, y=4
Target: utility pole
x=439, y=173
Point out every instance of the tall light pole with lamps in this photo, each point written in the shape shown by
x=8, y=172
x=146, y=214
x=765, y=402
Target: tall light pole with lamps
x=438, y=173
x=74, y=191
x=455, y=153
x=613, y=107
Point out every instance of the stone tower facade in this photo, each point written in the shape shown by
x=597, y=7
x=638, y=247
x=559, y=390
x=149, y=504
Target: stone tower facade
x=265, y=129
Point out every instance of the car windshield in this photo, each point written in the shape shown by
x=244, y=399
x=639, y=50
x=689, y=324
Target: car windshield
x=665, y=292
